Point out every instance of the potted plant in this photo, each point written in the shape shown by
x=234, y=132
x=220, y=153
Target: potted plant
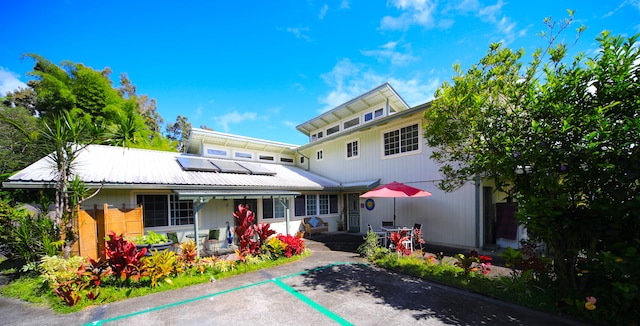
x=152, y=241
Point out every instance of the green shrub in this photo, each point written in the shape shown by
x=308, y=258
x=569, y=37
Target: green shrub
x=55, y=269
x=160, y=265
x=28, y=237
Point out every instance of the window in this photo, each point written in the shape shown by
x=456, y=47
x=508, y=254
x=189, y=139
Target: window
x=351, y=123
x=272, y=208
x=243, y=155
x=315, y=204
x=266, y=158
x=333, y=130
x=403, y=140
x=319, y=155
x=373, y=115
x=312, y=206
x=324, y=205
x=352, y=149
x=317, y=136
x=165, y=210
x=301, y=159
x=286, y=160
x=216, y=152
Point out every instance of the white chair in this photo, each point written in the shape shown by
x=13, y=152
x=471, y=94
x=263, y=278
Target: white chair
x=382, y=236
x=409, y=242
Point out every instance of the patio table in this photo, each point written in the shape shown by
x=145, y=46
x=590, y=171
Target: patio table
x=390, y=230
x=202, y=237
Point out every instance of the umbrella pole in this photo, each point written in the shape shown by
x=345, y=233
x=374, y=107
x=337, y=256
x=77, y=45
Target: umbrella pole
x=394, y=211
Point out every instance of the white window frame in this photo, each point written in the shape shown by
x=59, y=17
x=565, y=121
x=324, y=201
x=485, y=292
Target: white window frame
x=400, y=140
x=333, y=132
x=357, y=123
x=277, y=209
x=286, y=159
x=225, y=155
x=373, y=115
x=320, y=155
x=243, y=155
x=351, y=142
x=171, y=211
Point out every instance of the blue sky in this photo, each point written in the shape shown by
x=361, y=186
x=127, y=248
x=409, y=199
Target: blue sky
x=259, y=68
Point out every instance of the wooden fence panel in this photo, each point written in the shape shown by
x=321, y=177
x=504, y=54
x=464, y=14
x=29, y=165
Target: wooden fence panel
x=94, y=225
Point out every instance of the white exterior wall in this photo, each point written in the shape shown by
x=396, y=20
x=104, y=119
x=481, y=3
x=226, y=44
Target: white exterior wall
x=447, y=218
x=213, y=215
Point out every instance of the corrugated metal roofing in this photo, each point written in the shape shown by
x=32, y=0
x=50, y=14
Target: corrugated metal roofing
x=119, y=167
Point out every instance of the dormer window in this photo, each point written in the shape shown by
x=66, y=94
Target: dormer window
x=369, y=116
x=352, y=123
x=333, y=130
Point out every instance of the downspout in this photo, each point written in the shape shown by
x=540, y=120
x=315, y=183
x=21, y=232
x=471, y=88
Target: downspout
x=287, y=216
x=477, y=193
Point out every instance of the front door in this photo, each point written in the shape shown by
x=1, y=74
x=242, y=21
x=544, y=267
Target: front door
x=353, y=203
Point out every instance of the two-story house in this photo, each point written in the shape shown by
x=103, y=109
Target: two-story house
x=373, y=139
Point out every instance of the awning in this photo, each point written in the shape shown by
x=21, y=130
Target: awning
x=359, y=185
x=208, y=194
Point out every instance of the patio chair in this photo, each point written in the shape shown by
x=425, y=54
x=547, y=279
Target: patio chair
x=382, y=236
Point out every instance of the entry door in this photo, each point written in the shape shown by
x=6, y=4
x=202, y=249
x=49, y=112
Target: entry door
x=353, y=202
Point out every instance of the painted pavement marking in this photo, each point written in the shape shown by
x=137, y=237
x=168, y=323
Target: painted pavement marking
x=277, y=281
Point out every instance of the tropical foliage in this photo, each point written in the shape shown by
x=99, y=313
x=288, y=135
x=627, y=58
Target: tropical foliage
x=560, y=135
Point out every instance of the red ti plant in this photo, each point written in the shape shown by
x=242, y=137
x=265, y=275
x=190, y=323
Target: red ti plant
x=294, y=244
x=398, y=239
x=124, y=258
x=244, y=227
x=251, y=236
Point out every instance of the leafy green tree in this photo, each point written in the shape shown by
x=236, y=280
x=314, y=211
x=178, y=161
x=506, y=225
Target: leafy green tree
x=179, y=131
x=562, y=136
x=16, y=149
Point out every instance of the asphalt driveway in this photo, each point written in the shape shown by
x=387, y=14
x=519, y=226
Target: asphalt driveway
x=332, y=286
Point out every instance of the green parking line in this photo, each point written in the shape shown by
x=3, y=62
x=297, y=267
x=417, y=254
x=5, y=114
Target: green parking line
x=312, y=303
x=277, y=281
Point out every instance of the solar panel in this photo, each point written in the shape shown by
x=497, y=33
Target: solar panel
x=230, y=167
x=256, y=169
x=196, y=164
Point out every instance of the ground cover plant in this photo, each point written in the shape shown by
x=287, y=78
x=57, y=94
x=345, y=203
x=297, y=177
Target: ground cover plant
x=530, y=281
x=71, y=284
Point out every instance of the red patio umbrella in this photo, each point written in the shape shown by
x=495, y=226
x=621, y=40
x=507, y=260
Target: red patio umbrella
x=395, y=190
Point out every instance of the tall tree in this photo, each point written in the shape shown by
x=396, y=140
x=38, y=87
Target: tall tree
x=562, y=136
x=64, y=137
x=17, y=127
x=180, y=131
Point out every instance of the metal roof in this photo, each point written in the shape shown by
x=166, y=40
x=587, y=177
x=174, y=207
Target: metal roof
x=366, y=101
x=129, y=168
x=202, y=136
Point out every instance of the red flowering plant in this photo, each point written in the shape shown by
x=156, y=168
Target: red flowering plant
x=398, y=240
x=123, y=257
x=251, y=236
x=293, y=245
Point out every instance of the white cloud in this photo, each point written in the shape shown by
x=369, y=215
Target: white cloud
x=234, y=118
x=344, y=4
x=299, y=32
x=388, y=52
x=323, y=11
x=414, y=91
x=9, y=81
x=491, y=12
x=349, y=80
x=415, y=12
